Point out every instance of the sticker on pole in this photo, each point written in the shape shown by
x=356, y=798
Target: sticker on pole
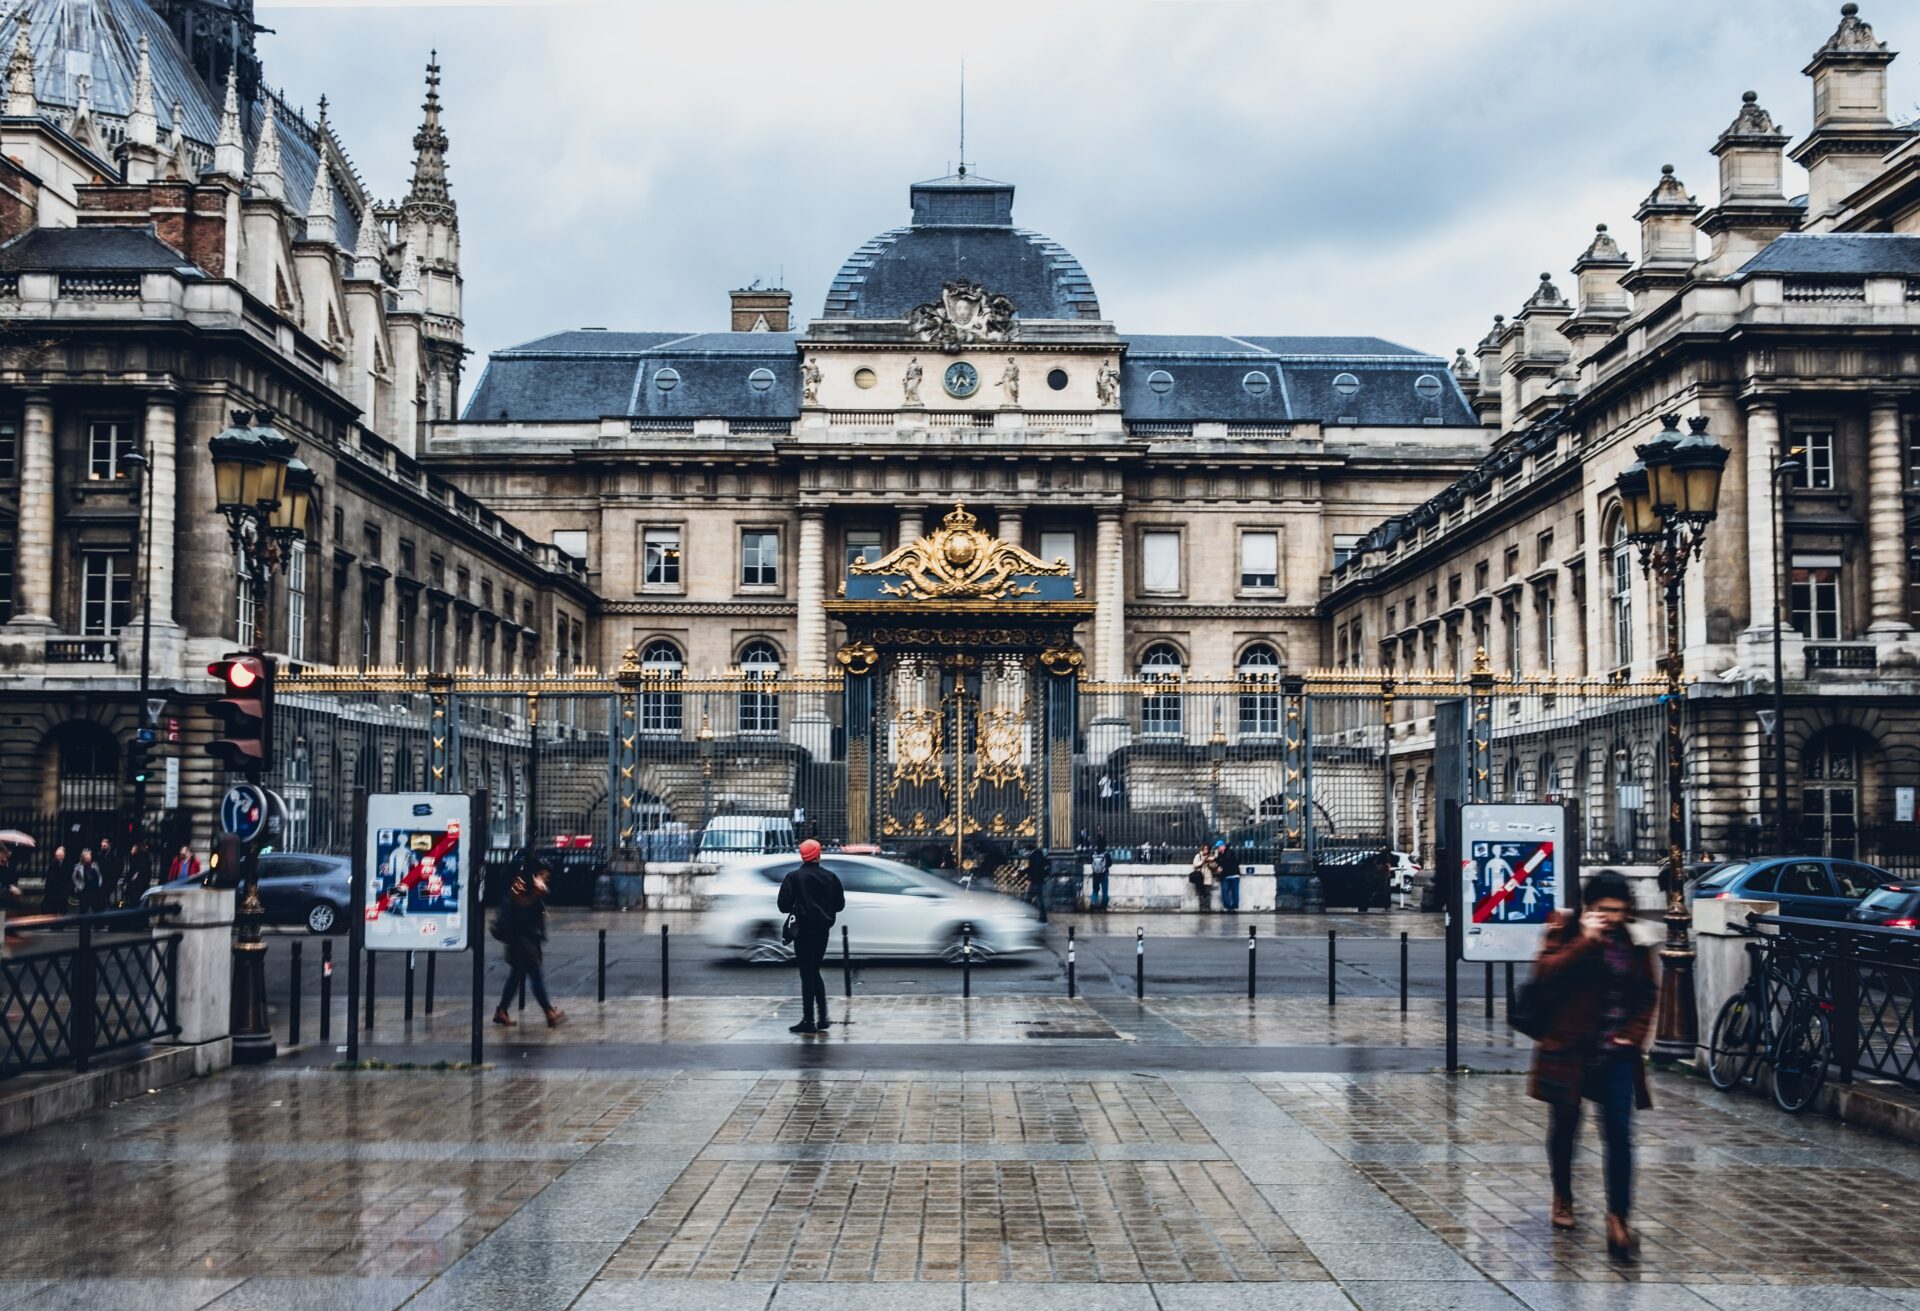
x=417, y=871
x=1510, y=878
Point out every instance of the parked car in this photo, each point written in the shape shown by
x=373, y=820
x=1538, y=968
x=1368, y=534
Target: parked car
x=296, y=887
x=892, y=910
x=1895, y=906
x=746, y=835
x=1810, y=887
x=1403, y=871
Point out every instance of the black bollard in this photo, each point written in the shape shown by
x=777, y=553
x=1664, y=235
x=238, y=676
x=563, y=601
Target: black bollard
x=846, y=963
x=1070, y=979
x=326, y=991
x=293, y=998
x=1489, y=990
x=367, y=1024
x=603, y=965
x=407, y=1005
x=1250, y=961
x=663, y=962
x=1139, y=964
x=1330, y=964
x=1403, y=970
x=966, y=960
x=432, y=956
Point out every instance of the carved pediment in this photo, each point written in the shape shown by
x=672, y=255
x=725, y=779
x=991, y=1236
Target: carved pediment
x=960, y=562
x=965, y=313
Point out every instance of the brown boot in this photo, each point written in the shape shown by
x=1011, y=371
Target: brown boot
x=1622, y=1244
x=500, y=1016
x=555, y=1017
x=1562, y=1212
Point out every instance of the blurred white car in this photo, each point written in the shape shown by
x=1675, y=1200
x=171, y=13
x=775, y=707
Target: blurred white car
x=745, y=835
x=1402, y=871
x=892, y=910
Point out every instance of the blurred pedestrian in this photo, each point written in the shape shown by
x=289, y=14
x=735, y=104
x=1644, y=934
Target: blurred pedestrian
x=112, y=869
x=1201, y=875
x=185, y=865
x=56, y=882
x=1226, y=867
x=1035, y=866
x=811, y=896
x=520, y=925
x=1102, y=867
x=86, y=885
x=1598, y=991
x=138, y=875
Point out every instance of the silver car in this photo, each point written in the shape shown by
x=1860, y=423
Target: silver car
x=892, y=910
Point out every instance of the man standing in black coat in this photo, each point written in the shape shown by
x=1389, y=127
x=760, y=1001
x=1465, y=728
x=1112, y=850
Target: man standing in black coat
x=813, y=896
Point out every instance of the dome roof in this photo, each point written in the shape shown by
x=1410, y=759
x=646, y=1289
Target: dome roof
x=962, y=228
x=100, y=42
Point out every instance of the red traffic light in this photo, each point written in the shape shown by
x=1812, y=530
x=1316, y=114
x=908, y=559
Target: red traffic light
x=246, y=711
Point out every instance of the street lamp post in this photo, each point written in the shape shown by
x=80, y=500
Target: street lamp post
x=1668, y=497
x=1787, y=465
x=265, y=494
x=136, y=461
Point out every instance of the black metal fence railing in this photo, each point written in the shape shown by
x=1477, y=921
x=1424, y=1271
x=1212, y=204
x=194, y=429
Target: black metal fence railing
x=99, y=984
x=1870, y=976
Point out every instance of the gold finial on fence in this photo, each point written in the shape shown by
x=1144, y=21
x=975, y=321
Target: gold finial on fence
x=630, y=661
x=1481, y=665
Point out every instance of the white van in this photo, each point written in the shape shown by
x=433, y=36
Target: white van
x=746, y=835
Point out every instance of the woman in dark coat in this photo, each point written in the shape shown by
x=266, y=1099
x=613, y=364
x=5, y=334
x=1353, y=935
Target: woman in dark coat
x=1602, y=990
x=521, y=926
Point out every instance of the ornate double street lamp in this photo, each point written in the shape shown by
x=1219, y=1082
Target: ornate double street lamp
x=1668, y=497
x=265, y=493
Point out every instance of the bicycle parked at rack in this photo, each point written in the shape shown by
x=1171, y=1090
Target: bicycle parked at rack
x=1777, y=1017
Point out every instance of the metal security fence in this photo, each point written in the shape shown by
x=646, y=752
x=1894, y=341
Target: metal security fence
x=112, y=987
x=1867, y=980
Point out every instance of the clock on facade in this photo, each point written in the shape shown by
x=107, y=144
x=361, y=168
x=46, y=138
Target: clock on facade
x=961, y=379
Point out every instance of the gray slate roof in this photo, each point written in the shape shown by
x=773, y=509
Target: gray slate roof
x=101, y=41
x=1847, y=253
x=90, y=250
x=1217, y=380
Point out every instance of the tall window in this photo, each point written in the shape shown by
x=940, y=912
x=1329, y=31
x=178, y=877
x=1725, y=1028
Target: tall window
x=1511, y=618
x=106, y=593
x=372, y=600
x=297, y=601
x=1160, y=713
x=107, y=441
x=1815, y=594
x=1259, y=559
x=661, y=557
x=1620, y=597
x=243, y=601
x=1344, y=545
x=760, y=711
x=1058, y=546
x=6, y=581
x=759, y=557
x=660, y=710
x=863, y=544
x=9, y=449
x=1160, y=562
x=1816, y=462
x=1544, y=607
x=573, y=541
x=1260, y=710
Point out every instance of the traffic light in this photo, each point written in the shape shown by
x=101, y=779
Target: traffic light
x=246, y=708
x=137, y=761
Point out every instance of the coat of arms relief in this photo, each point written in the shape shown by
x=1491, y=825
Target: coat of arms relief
x=966, y=313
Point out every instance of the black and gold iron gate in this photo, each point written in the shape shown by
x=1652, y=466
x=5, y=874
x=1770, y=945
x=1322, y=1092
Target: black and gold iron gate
x=961, y=711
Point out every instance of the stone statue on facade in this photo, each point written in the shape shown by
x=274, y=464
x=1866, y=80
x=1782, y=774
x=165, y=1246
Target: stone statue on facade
x=1010, y=380
x=910, y=383
x=1106, y=384
x=810, y=382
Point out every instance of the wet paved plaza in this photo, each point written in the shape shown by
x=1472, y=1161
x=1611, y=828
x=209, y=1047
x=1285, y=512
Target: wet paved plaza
x=1073, y=1178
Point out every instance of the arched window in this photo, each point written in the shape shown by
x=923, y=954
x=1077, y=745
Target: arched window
x=1260, y=710
x=660, y=710
x=759, y=711
x=1160, y=713
x=1620, y=593
x=1830, y=794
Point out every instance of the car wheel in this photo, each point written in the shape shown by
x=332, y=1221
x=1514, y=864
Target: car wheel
x=322, y=917
x=764, y=946
x=954, y=947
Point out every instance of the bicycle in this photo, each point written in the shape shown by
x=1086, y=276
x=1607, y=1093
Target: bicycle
x=1798, y=1048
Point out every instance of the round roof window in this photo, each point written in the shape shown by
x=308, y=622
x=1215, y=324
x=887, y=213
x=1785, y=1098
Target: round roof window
x=865, y=379
x=666, y=379
x=1160, y=381
x=1346, y=384
x=1428, y=386
x=1057, y=379
x=1257, y=383
x=761, y=380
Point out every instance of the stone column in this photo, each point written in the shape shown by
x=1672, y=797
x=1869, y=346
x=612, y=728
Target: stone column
x=34, y=547
x=1010, y=526
x=1110, y=597
x=1763, y=443
x=810, y=610
x=1886, y=522
x=912, y=525
x=162, y=484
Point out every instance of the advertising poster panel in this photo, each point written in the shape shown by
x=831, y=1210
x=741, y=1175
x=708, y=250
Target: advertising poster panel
x=417, y=882
x=1511, y=869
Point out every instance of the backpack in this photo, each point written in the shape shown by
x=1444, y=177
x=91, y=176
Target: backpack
x=1101, y=862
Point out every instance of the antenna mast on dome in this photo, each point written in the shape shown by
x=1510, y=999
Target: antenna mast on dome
x=963, y=118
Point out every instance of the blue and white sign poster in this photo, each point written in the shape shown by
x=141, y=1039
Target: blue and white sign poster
x=417, y=877
x=1510, y=878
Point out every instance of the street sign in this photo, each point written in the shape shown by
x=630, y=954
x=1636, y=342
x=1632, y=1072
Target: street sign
x=155, y=705
x=171, y=798
x=144, y=737
x=418, y=884
x=1766, y=721
x=1510, y=878
x=243, y=811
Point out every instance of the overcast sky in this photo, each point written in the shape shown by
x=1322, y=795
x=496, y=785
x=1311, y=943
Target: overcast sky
x=1401, y=168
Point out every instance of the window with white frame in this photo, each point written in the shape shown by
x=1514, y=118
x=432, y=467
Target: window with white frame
x=1260, y=709
x=106, y=593
x=107, y=441
x=1620, y=595
x=1511, y=618
x=243, y=615
x=660, y=710
x=372, y=601
x=759, y=711
x=1159, y=561
x=1059, y=545
x=1259, y=559
x=759, y=557
x=1815, y=597
x=864, y=544
x=1815, y=441
x=1160, y=712
x=1344, y=545
x=573, y=541
x=660, y=551
x=297, y=601
x=1544, y=603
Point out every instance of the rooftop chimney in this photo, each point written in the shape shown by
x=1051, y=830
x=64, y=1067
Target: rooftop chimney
x=761, y=309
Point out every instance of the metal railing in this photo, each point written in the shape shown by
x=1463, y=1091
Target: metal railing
x=1870, y=976
x=82, y=650
x=111, y=986
x=1841, y=655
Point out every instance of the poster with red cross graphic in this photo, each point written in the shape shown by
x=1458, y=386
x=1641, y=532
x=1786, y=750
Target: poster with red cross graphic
x=1510, y=878
x=417, y=878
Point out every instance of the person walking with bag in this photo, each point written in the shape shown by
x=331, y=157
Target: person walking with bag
x=1593, y=990
x=1228, y=866
x=520, y=926
x=1201, y=876
x=1102, y=867
x=811, y=898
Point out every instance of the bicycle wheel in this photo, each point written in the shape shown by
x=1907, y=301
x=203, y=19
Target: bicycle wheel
x=1733, y=1045
x=1800, y=1056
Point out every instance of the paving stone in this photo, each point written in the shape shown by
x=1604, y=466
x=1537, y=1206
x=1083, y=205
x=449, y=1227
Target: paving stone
x=1325, y=1296
x=1405, y=1295
x=866, y=1297
x=126, y=1294
x=1393, y=1262
x=1059, y=1297
x=675, y=1295
x=1763, y=1297
x=320, y=1293
x=1613, y=1295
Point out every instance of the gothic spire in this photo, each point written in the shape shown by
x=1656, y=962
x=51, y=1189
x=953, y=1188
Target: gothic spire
x=321, y=225
x=179, y=162
x=366, y=251
x=230, y=151
x=143, y=126
x=267, y=179
x=81, y=128
x=430, y=146
x=20, y=89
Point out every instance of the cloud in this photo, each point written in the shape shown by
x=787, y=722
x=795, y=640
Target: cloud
x=1394, y=168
